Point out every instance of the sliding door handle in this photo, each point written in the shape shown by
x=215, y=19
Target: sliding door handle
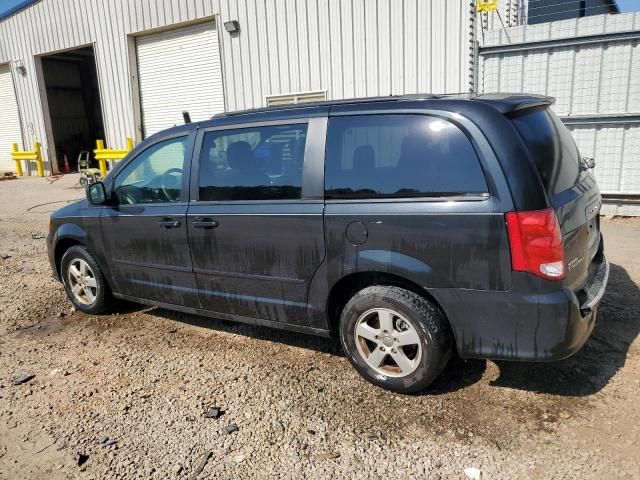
x=204, y=222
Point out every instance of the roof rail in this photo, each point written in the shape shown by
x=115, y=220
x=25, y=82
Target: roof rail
x=503, y=102
x=345, y=101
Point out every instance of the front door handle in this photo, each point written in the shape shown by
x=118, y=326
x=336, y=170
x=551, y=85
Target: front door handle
x=204, y=222
x=168, y=222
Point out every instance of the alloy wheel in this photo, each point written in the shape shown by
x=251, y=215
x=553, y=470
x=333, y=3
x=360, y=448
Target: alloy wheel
x=388, y=342
x=82, y=281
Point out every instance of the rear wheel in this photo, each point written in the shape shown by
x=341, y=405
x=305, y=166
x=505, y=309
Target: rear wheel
x=83, y=280
x=395, y=338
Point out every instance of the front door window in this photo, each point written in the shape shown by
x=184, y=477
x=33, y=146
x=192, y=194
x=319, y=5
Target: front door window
x=154, y=176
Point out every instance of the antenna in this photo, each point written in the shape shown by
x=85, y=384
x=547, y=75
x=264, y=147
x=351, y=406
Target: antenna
x=186, y=116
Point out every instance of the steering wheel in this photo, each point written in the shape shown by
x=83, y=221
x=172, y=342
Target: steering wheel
x=168, y=183
x=128, y=198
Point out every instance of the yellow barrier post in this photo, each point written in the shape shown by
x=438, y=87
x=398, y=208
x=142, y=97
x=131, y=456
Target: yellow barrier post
x=39, y=164
x=35, y=154
x=112, y=154
x=14, y=149
x=102, y=162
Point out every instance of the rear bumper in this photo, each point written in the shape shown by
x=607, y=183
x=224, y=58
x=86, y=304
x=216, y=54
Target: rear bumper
x=525, y=326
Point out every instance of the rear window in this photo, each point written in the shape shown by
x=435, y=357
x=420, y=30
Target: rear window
x=391, y=156
x=552, y=148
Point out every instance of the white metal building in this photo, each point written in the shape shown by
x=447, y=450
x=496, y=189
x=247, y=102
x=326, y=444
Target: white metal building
x=72, y=71
x=9, y=118
x=591, y=66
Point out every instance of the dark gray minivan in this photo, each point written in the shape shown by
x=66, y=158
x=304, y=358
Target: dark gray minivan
x=410, y=227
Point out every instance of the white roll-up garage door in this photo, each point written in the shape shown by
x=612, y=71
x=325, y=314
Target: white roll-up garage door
x=9, y=120
x=179, y=70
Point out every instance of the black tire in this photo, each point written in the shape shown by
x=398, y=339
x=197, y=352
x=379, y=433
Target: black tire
x=103, y=298
x=424, y=317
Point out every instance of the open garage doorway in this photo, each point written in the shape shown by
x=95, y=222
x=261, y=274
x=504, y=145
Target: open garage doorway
x=73, y=98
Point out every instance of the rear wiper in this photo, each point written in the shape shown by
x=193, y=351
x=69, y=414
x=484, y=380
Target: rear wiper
x=587, y=163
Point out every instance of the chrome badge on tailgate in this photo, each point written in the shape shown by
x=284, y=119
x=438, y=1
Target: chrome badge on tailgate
x=575, y=262
x=593, y=209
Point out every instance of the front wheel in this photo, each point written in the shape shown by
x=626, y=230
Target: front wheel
x=395, y=338
x=83, y=280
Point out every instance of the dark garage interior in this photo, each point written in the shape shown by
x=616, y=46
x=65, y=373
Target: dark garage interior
x=74, y=103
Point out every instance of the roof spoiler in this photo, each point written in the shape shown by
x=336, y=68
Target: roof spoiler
x=509, y=104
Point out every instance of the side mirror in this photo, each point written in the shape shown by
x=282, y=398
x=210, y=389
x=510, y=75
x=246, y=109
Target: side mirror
x=96, y=194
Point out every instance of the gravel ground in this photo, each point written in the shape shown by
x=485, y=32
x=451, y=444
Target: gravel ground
x=143, y=377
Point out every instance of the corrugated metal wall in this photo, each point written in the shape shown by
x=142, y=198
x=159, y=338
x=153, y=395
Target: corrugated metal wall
x=592, y=66
x=512, y=12
x=350, y=48
x=52, y=25
x=520, y=12
x=9, y=120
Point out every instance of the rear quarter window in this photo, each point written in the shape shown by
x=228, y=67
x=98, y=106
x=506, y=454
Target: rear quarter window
x=551, y=147
x=391, y=156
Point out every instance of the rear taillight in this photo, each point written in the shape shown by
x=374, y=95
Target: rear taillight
x=536, y=244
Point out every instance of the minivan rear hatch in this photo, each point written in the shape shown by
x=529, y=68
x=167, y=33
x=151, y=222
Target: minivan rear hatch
x=570, y=186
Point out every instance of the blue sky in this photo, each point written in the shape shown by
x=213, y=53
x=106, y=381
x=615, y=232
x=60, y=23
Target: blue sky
x=625, y=5
x=6, y=5
x=629, y=5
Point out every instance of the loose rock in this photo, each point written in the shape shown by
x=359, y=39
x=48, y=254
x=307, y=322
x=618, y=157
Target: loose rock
x=108, y=442
x=472, y=473
x=205, y=458
x=213, y=412
x=231, y=428
x=326, y=456
x=81, y=459
x=23, y=378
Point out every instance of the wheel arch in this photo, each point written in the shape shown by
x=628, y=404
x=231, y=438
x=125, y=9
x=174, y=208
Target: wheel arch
x=345, y=288
x=62, y=245
x=65, y=242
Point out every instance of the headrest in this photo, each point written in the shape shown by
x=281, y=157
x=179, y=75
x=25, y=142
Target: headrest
x=240, y=156
x=364, y=158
